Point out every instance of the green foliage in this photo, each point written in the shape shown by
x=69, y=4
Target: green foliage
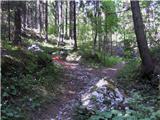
x=127, y=115
x=29, y=80
x=81, y=113
x=155, y=52
x=111, y=18
x=99, y=59
x=11, y=112
x=28, y=91
x=143, y=105
x=140, y=108
x=84, y=34
x=109, y=60
x=52, y=29
x=129, y=74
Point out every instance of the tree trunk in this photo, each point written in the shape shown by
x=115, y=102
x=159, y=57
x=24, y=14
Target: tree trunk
x=96, y=27
x=100, y=31
x=32, y=17
x=46, y=21
x=17, y=23
x=66, y=30
x=62, y=22
x=147, y=62
x=59, y=21
x=24, y=15
x=73, y=23
x=75, y=37
x=70, y=19
x=56, y=16
x=40, y=17
x=9, y=24
x=27, y=10
x=111, y=44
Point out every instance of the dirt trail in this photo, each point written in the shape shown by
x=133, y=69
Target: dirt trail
x=76, y=81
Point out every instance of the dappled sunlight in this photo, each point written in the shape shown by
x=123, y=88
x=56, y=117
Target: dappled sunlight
x=45, y=44
x=101, y=82
x=89, y=69
x=8, y=56
x=11, y=58
x=73, y=57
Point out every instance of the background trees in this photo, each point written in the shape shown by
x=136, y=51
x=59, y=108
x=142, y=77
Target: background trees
x=96, y=33
x=105, y=27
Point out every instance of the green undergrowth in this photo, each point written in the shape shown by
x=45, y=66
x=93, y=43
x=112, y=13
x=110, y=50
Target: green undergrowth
x=143, y=101
x=98, y=59
x=130, y=74
x=29, y=80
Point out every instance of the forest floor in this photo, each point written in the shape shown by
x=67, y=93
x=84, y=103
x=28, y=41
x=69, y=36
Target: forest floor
x=77, y=80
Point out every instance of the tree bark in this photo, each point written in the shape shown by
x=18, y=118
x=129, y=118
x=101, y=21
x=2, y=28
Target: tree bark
x=17, y=23
x=9, y=23
x=24, y=15
x=59, y=21
x=27, y=12
x=40, y=17
x=66, y=30
x=32, y=16
x=147, y=63
x=56, y=16
x=37, y=16
x=62, y=22
x=96, y=27
x=46, y=21
x=70, y=19
x=73, y=23
x=75, y=37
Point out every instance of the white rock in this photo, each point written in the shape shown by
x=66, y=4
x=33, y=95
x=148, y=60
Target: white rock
x=99, y=96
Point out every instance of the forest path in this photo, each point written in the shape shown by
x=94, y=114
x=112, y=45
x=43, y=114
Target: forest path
x=77, y=80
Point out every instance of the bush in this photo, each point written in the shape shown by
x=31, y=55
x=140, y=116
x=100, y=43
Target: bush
x=52, y=29
x=129, y=74
x=99, y=58
x=112, y=60
x=155, y=52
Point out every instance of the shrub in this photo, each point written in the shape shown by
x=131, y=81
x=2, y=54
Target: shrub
x=129, y=74
x=52, y=29
x=99, y=58
x=112, y=60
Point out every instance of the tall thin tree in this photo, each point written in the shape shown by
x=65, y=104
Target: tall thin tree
x=46, y=20
x=73, y=23
x=66, y=26
x=17, y=23
x=9, y=23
